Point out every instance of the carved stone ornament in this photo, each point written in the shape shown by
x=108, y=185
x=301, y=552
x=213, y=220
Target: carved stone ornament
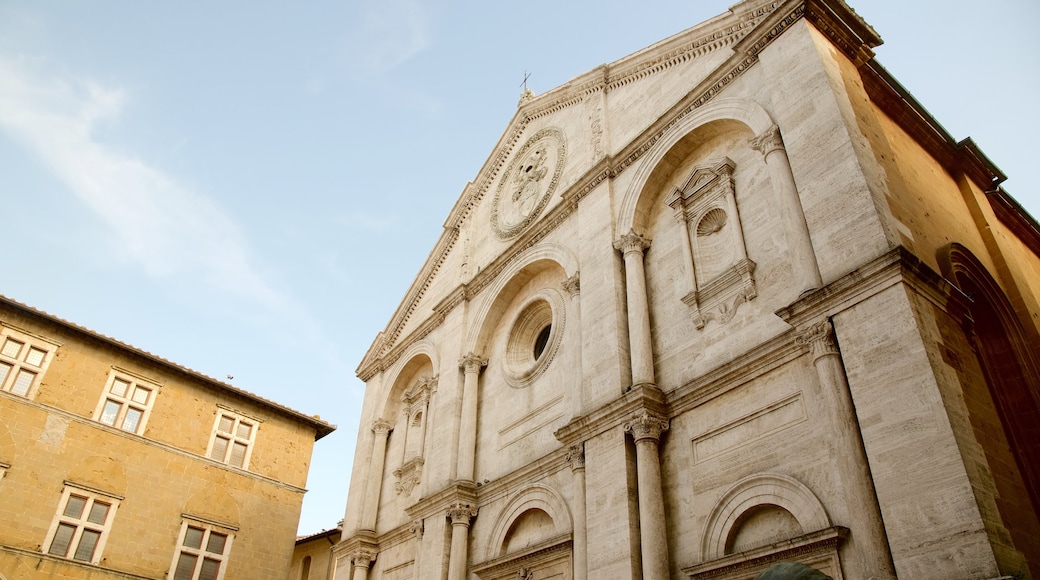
x=363, y=558
x=381, y=426
x=417, y=528
x=408, y=476
x=576, y=456
x=572, y=285
x=820, y=339
x=631, y=242
x=768, y=141
x=472, y=363
x=525, y=574
x=461, y=513
x=527, y=184
x=647, y=426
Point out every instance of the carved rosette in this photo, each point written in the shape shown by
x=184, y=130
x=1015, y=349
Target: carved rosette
x=472, y=363
x=820, y=339
x=647, y=426
x=576, y=456
x=768, y=141
x=572, y=285
x=528, y=182
x=631, y=243
x=460, y=514
x=381, y=426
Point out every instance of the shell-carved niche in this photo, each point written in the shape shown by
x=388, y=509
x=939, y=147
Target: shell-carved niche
x=720, y=275
x=415, y=405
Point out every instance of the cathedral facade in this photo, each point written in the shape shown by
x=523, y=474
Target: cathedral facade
x=732, y=300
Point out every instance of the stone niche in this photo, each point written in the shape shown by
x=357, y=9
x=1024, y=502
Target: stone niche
x=720, y=275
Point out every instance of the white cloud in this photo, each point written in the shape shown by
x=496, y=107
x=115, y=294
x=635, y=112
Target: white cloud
x=391, y=32
x=163, y=226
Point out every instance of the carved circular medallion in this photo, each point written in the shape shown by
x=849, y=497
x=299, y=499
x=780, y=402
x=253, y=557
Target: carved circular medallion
x=528, y=182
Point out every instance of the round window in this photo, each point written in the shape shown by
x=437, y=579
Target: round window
x=533, y=340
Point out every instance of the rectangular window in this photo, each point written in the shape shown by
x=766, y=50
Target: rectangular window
x=202, y=552
x=126, y=402
x=232, y=440
x=81, y=526
x=23, y=358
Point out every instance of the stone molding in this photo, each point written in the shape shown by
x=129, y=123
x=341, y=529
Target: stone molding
x=775, y=489
x=617, y=413
x=822, y=544
x=510, y=566
x=437, y=503
x=532, y=496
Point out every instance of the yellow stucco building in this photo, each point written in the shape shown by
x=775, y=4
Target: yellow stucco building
x=116, y=463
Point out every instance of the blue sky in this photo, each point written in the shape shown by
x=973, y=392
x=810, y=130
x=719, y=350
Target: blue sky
x=248, y=188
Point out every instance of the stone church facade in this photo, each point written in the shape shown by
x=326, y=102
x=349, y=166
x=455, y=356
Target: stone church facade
x=731, y=300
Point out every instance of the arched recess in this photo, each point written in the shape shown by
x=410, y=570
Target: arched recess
x=536, y=496
x=1011, y=367
x=660, y=160
x=528, y=264
x=752, y=492
x=418, y=358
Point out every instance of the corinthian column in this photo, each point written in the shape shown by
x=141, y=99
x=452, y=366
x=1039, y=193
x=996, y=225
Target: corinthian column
x=362, y=561
x=381, y=429
x=806, y=269
x=460, y=515
x=471, y=365
x=631, y=246
x=646, y=430
x=576, y=457
x=868, y=538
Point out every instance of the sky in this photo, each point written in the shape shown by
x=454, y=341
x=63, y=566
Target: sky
x=249, y=188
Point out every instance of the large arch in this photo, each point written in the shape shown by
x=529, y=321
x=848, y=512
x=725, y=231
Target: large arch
x=536, y=496
x=1011, y=368
x=531, y=261
x=742, y=111
x=768, y=489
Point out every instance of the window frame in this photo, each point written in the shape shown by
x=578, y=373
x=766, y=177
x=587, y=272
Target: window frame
x=18, y=363
x=126, y=402
x=232, y=437
x=81, y=523
x=201, y=552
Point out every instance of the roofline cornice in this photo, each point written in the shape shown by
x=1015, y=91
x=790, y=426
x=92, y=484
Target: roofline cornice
x=321, y=428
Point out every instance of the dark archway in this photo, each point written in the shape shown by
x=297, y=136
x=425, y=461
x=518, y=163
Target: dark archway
x=1009, y=364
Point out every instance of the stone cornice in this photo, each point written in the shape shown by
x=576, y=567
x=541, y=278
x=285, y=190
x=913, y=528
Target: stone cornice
x=822, y=541
x=638, y=399
x=558, y=547
x=1015, y=217
x=499, y=488
x=438, y=503
x=894, y=267
x=754, y=363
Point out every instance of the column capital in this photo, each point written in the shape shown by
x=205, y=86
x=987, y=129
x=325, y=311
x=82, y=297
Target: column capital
x=572, y=285
x=417, y=528
x=631, y=243
x=363, y=558
x=461, y=514
x=647, y=426
x=819, y=338
x=472, y=363
x=381, y=426
x=769, y=141
x=576, y=456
